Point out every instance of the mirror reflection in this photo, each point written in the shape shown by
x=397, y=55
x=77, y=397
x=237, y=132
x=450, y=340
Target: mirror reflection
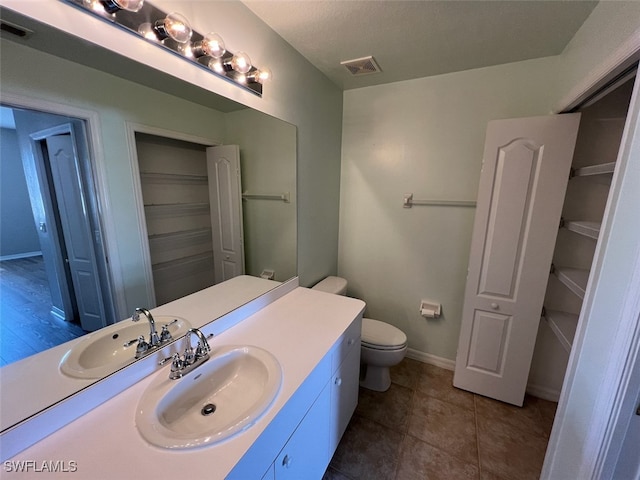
x=133, y=200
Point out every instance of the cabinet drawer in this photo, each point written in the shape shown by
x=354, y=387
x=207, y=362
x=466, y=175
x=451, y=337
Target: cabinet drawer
x=350, y=340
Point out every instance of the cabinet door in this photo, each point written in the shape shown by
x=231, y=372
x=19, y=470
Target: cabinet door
x=306, y=454
x=269, y=474
x=524, y=177
x=344, y=396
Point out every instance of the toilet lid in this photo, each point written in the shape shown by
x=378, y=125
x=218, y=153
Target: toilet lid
x=381, y=334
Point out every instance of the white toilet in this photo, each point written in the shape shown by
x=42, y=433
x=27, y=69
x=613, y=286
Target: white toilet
x=383, y=345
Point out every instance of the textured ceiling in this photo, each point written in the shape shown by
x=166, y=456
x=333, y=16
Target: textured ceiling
x=413, y=39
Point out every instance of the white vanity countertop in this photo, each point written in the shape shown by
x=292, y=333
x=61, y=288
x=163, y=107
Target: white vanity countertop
x=47, y=384
x=298, y=329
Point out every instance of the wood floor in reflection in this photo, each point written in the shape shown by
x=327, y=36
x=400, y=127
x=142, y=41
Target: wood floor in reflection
x=26, y=325
x=424, y=428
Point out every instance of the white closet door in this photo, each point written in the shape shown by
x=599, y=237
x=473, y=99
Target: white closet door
x=223, y=165
x=522, y=185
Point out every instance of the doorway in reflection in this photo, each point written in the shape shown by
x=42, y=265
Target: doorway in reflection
x=193, y=214
x=53, y=285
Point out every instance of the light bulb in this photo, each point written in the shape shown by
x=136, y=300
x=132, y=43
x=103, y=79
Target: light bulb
x=186, y=50
x=112, y=6
x=216, y=65
x=261, y=76
x=174, y=26
x=147, y=31
x=95, y=5
x=241, y=62
x=211, y=45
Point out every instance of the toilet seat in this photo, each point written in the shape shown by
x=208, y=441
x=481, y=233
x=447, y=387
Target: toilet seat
x=378, y=335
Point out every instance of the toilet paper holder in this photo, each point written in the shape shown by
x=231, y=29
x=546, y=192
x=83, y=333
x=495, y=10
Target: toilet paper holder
x=268, y=274
x=429, y=309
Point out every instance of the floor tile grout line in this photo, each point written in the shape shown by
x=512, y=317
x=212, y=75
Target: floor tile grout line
x=414, y=396
x=406, y=427
x=397, y=469
x=475, y=417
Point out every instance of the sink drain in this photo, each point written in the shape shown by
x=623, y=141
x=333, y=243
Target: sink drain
x=208, y=409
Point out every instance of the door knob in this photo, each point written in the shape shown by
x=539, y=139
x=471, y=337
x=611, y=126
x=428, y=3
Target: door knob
x=495, y=306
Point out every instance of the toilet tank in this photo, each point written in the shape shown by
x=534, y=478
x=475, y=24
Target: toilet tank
x=336, y=285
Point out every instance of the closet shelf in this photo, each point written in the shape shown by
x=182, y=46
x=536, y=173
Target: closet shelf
x=174, y=178
x=176, y=209
x=574, y=279
x=564, y=326
x=600, y=169
x=588, y=229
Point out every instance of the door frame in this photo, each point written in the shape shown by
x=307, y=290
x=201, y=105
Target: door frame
x=131, y=129
x=98, y=173
x=595, y=454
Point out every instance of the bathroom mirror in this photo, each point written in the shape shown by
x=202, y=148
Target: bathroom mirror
x=52, y=66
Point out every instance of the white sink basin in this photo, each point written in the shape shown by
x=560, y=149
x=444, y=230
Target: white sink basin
x=103, y=352
x=221, y=398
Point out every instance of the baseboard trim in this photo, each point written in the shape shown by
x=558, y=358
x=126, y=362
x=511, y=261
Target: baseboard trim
x=543, y=392
x=16, y=256
x=431, y=359
x=539, y=391
x=58, y=313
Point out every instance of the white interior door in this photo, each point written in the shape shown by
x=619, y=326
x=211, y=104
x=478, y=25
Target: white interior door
x=522, y=185
x=223, y=166
x=77, y=232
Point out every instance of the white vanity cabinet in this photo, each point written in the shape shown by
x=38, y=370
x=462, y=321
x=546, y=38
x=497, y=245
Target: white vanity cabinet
x=306, y=454
x=345, y=382
x=323, y=406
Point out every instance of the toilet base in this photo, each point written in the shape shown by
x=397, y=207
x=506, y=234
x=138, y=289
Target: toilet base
x=375, y=378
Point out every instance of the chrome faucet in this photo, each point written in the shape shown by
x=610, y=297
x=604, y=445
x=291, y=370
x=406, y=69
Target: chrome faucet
x=155, y=340
x=191, y=359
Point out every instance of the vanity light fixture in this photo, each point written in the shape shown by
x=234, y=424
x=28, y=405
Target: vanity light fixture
x=173, y=32
x=211, y=45
x=174, y=26
x=215, y=64
x=240, y=63
x=259, y=76
x=112, y=6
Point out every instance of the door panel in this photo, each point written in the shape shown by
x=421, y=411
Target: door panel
x=223, y=164
x=77, y=231
x=489, y=337
x=522, y=184
x=509, y=214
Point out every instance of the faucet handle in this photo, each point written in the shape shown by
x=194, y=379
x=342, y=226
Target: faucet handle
x=143, y=346
x=177, y=364
x=165, y=335
x=202, y=350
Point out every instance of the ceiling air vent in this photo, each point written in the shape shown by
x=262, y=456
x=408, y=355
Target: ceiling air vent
x=17, y=30
x=362, y=66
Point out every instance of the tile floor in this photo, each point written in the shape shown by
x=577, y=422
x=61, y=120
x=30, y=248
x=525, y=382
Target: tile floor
x=424, y=428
